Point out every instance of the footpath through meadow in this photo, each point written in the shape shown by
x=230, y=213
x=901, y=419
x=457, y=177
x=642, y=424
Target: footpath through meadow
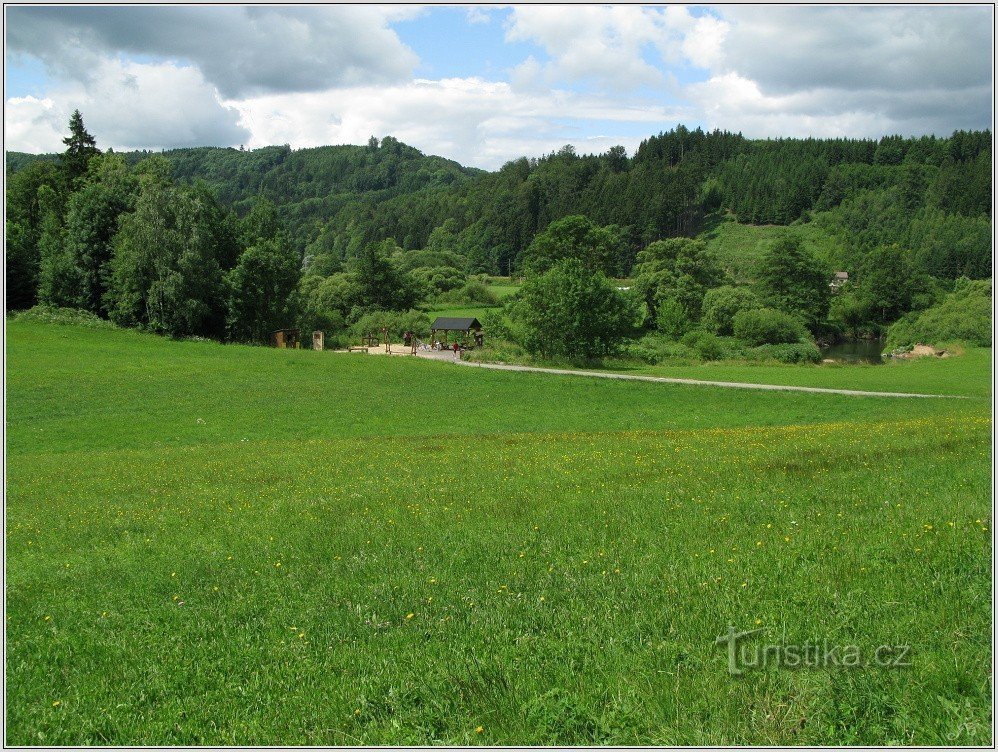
x=448, y=356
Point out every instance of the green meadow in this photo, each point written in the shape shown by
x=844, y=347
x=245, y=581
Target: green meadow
x=211, y=544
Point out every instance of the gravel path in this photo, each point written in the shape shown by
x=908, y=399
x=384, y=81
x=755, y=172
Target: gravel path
x=696, y=382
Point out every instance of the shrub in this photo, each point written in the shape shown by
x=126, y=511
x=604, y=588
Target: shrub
x=705, y=344
x=794, y=352
x=439, y=279
x=574, y=312
x=474, y=292
x=767, y=326
x=654, y=349
x=46, y=314
x=670, y=318
x=396, y=322
x=721, y=304
x=963, y=316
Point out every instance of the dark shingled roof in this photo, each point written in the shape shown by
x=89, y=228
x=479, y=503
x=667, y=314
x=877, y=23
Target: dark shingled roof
x=456, y=325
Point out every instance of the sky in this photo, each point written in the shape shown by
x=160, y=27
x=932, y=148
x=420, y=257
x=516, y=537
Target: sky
x=486, y=84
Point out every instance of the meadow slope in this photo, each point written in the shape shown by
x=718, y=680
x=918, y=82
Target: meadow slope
x=215, y=544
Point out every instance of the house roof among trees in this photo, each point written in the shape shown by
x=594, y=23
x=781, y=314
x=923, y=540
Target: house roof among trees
x=456, y=324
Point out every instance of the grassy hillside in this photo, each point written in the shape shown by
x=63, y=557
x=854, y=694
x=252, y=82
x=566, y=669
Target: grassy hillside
x=740, y=246
x=229, y=545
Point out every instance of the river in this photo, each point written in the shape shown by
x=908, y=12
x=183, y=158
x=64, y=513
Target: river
x=855, y=351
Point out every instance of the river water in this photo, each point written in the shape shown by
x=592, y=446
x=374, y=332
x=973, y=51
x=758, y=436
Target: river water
x=855, y=351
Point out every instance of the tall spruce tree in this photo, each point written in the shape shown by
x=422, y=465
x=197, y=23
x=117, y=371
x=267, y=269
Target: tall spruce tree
x=80, y=147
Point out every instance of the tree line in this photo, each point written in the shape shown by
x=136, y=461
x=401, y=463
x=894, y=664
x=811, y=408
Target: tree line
x=230, y=243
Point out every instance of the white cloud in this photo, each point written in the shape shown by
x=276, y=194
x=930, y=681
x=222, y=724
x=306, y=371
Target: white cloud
x=33, y=125
x=476, y=122
x=610, y=45
x=862, y=72
x=127, y=105
x=319, y=75
x=477, y=14
x=242, y=50
x=789, y=49
x=736, y=103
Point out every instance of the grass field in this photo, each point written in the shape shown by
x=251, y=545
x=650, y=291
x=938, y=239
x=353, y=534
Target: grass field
x=966, y=375
x=215, y=544
x=501, y=286
x=458, y=311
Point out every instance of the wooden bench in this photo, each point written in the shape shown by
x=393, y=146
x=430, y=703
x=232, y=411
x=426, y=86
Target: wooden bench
x=358, y=348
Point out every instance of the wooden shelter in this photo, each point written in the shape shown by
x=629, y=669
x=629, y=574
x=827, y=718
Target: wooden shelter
x=284, y=338
x=463, y=327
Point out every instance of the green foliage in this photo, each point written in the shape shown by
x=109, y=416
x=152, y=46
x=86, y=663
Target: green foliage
x=47, y=314
x=60, y=278
x=165, y=273
x=572, y=312
x=27, y=208
x=706, y=345
x=850, y=310
x=440, y=278
x=738, y=247
x=889, y=283
x=965, y=315
x=678, y=270
x=787, y=352
x=325, y=302
x=931, y=197
x=474, y=293
x=380, y=284
x=794, y=281
x=654, y=348
x=720, y=305
x=573, y=237
x=670, y=317
x=80, y=147
x=397, y=323
x=260, y=291
x=92, y=217
x=767, y=326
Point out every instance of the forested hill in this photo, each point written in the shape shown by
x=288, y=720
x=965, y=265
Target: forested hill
x=311, y=185
x=930, y=195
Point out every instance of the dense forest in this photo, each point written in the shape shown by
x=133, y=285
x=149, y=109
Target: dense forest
x=229, y=242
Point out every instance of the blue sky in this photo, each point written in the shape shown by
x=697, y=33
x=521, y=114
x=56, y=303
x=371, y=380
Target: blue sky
x=484, y=85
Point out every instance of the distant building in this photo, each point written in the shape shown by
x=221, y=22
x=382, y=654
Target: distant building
x=284, y=338
x=461, y=326
x=838, y=279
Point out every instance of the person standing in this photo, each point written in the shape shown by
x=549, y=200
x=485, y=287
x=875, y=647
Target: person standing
x=457, y=349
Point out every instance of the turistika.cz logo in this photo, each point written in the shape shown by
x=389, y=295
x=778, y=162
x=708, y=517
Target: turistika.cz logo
x=811, y=655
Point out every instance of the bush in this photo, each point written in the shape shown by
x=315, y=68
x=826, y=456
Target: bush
x=497, y=327
x=708, y=346
x=573, y=312
x=396, y=322
x=963, y=316
x=46, y=314
x=670, y=318
x=767, y=326
x=795, y=352
x=473, y=292
x=439, y=279
x=654, y=349
x=721, y=304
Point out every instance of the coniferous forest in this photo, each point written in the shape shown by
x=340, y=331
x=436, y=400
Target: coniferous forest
x=231, y=243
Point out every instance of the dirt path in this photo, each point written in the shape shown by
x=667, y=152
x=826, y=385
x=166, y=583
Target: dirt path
x=696, y=382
